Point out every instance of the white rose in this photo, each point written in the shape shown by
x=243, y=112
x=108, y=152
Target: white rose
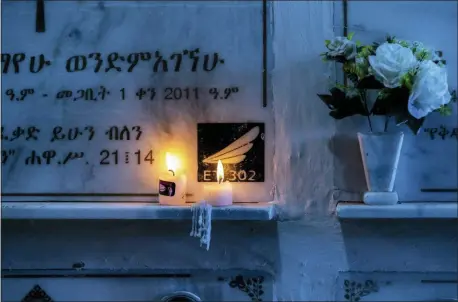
x=391, y=62
x=341, y=46
x=429, y=91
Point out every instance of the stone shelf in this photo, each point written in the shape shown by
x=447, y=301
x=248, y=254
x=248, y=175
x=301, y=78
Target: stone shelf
x=420, y=210
x=131, y=211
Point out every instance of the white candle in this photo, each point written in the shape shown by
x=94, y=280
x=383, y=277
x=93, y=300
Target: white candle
x=172, y=184
x=220, y=193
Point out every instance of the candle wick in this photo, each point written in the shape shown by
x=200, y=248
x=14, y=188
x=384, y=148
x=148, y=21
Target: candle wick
x=172, y=172
x=220, y=180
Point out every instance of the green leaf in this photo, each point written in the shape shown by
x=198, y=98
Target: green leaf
x=441, y=62
x=408, y=79
x=400, y=119
x=343, y=106
x=327, y=42
x=391, y=39
x=403, y=43
x=421, y=55
x=453, y=99
x=444, y=110
x=327, y=99
x=352, y=77
x=370, y=83
x=392, y=102
x=339, y=59
x=358, y=43
x=350, y=36
x=383, y=106
x=415, y=124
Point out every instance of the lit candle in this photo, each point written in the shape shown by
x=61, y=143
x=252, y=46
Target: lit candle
x=220, y=193
x=172, y=184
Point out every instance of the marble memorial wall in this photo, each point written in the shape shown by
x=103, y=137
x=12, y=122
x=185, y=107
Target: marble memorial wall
x=92, y=104
x=92, y=101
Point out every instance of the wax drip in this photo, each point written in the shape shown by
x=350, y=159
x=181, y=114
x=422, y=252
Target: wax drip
x=201, y=223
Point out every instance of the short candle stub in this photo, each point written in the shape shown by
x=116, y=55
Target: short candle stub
x=172, y=183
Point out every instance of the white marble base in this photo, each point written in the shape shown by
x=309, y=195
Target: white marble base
x=380, y=198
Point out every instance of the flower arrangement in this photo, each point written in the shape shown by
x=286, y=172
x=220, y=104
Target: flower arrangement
x=410, y=81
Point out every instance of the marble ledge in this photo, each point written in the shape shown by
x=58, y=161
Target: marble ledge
x=414, y=210
x=264, y=211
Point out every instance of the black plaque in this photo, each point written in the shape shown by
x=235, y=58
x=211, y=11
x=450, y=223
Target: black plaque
x=239, y=146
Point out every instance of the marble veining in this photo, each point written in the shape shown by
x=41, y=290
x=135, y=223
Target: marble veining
x=77, y=28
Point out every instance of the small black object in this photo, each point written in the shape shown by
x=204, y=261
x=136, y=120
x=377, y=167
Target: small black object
x=78, y=265
x=167, y=188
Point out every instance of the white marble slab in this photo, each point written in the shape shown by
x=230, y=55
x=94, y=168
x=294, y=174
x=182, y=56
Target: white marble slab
x=79, y=28
x=433, y=210
x=130, y=211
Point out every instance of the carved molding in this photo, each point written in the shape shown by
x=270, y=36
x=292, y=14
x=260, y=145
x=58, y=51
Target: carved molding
x=355, y=290
x=251, y=286
x=37, y=294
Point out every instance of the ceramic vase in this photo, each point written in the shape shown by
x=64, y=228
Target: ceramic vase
x=380, y=155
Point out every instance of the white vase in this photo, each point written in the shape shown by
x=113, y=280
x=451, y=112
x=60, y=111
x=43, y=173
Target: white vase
x=380, y=154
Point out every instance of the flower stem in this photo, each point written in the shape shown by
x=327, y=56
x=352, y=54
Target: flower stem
x=387, y=119
x=363, y=96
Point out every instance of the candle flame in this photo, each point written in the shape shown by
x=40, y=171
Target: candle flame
x=220, y=172
x=172, y=162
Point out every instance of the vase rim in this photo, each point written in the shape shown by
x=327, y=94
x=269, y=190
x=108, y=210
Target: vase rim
x=369, y=133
